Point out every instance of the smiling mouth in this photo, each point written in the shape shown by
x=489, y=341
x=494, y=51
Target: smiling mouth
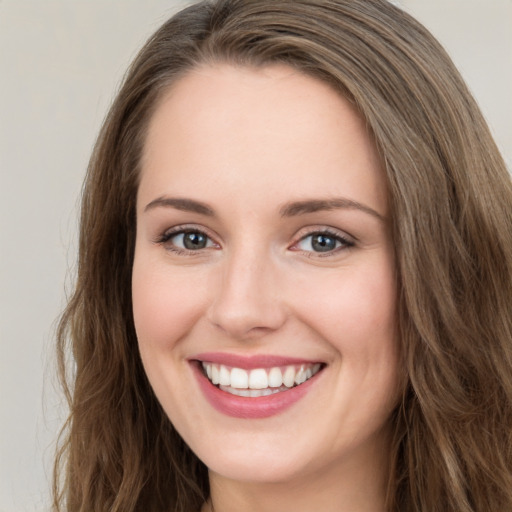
x=259, y=381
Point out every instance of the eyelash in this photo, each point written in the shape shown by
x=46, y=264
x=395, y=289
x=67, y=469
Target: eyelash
x=344, y=242
x=164, y=238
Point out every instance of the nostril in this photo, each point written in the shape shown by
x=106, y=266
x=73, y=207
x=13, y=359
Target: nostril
x=247, y=319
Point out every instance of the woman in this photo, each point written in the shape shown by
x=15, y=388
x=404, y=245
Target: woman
x=295, y=274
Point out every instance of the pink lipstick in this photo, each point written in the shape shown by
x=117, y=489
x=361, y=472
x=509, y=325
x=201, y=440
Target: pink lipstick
x=254, y=386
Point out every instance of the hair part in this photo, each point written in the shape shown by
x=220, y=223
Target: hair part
x=450, y=197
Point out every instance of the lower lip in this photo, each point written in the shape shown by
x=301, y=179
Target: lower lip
x=251, y=408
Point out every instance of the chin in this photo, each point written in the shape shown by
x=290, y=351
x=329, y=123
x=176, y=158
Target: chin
x=253, y=468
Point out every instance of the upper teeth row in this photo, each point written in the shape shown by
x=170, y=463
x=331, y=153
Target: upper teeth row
x=260, y=378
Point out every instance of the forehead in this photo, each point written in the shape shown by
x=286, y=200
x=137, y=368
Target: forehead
x=259, y=129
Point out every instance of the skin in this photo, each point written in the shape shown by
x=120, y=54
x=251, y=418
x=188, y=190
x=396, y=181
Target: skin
x=247, y=142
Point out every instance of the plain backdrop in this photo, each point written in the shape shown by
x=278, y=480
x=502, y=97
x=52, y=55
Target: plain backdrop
x=60, y=64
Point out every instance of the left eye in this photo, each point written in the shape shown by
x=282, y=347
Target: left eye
x=321, y=242
x=190, y=240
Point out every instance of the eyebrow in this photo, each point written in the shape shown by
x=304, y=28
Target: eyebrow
x=316, y=205
x=291, y=209
x=186, y=205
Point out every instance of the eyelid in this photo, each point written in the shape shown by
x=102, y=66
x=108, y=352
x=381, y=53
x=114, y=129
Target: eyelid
x=324, y=228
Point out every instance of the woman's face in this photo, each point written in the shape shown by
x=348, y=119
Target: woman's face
x=263, y=258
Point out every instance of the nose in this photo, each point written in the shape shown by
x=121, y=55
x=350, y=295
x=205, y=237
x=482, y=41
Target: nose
x=249, y=302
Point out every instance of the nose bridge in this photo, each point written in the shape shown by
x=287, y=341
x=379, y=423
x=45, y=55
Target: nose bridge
x=248, y=301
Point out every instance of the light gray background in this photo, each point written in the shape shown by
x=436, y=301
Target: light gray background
x=60, y=64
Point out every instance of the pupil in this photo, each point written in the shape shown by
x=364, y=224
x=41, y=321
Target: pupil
x=194, y=241
x=322, y=243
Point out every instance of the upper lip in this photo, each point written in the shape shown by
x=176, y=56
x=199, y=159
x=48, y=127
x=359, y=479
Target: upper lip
x=249, y=362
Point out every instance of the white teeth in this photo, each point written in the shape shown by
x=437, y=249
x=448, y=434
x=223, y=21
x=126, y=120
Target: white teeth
x=260, y=381
x=260, y=392
x=215, y=374
x=253, y=393
x=224, y=376
x=239, y=378
x=289, y=376
x=300, y=376
x=275, y=378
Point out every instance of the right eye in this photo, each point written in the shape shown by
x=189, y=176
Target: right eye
x=321, y=243
x=184, y=241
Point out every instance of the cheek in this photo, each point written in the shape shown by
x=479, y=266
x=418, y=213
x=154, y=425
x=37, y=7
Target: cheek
x=355, y=310
x=166, y=304
x=358, y=318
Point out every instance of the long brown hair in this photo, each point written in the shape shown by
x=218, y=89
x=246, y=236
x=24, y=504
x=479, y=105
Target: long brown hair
x=451, y=201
